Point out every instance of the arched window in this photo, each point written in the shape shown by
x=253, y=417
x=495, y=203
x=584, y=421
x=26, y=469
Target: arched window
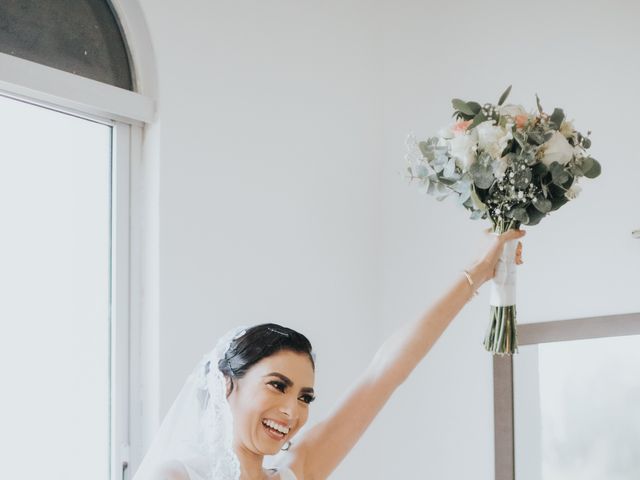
x=82, y=37
x=80, y=156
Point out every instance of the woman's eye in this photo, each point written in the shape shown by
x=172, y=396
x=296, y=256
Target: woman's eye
x=278, y=385
x=307, y=398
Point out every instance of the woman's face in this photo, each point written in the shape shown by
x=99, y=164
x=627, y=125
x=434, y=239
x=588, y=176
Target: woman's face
x=275, y=392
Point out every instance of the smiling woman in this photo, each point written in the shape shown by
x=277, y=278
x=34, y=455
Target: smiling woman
x=227, y=419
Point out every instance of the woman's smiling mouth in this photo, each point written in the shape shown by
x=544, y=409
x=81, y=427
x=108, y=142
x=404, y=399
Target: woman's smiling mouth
x=275, y=430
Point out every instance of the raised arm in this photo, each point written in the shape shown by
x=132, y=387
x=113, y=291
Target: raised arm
x=322, y=448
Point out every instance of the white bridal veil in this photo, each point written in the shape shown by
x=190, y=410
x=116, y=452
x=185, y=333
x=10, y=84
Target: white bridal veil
x=194, y=441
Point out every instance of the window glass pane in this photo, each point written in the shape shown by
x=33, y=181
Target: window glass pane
x=577, y=410
x=54, y=284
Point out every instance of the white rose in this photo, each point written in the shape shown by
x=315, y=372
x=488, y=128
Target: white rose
x=493, y=139
x=512, y=110
x=463, y=148
x=557, y=149
x=446, y=132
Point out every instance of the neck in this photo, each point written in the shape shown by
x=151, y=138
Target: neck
x=250, y=464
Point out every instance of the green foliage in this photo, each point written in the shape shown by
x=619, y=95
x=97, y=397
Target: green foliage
x=462, y=107
x=504, y=96
x=517, y=186
x=540, y=111
x=558, y=174
x=482, y=172
x=556, y=119
x=593, y=170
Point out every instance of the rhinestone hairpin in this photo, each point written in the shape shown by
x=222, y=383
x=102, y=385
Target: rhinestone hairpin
x=278, y=331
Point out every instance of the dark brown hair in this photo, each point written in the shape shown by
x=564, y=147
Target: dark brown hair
x=259, y=342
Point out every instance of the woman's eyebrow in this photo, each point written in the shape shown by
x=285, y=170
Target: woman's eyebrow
x=287, y=381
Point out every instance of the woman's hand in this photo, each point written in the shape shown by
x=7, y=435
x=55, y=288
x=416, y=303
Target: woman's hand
x=484, y=269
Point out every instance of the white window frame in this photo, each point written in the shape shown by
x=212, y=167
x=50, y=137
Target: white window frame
x=127, y=113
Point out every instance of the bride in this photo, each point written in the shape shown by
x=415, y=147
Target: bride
x=250, y=396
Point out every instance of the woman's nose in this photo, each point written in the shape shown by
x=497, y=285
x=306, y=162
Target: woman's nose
x=288, y=407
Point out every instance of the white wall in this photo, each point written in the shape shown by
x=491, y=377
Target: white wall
x=269, y=121
x=580, y=261
x=281, y=140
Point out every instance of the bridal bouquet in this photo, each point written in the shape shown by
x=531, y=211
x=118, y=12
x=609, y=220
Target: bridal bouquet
x=510, y=166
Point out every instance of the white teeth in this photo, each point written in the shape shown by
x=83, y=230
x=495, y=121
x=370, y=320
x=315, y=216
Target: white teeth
x=276, y=426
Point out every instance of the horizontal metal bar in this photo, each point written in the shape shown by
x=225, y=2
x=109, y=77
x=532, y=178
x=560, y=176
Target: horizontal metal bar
x=579, y=329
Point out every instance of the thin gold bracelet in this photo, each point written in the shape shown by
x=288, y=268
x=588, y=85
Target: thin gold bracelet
x=468, y=275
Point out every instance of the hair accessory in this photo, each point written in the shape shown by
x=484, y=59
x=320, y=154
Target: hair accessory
x=229, y=365
x=278, y=331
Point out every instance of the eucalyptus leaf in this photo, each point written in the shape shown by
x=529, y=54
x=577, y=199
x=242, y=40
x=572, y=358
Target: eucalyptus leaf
x=545, y=190
x=557, y=195
x=477, y=120
x=534, y=215
x=520, y=138
x=595, y=170
x=477, y=203
x=462, y=106
x=540, y=170
x=520, y=214
x=535, y=138
x=464, y=196
x=439, y=162
x=542, y=204
x=449, y=168
x=528, y=155
x=558, y=174
x=421, y=171
x=558, y=202
x=477, y=215
x=463, y=186
x=538, y=103
x=482, y=175
x=446, y=181
x=484, y=159
x=586, y=164
x=425, y=148
x=576, y=170
x=475, y=106
x=557, y=118
x=504, y=96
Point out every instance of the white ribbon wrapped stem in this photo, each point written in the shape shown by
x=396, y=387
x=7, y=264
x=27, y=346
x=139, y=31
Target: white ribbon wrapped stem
x=503, y=284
